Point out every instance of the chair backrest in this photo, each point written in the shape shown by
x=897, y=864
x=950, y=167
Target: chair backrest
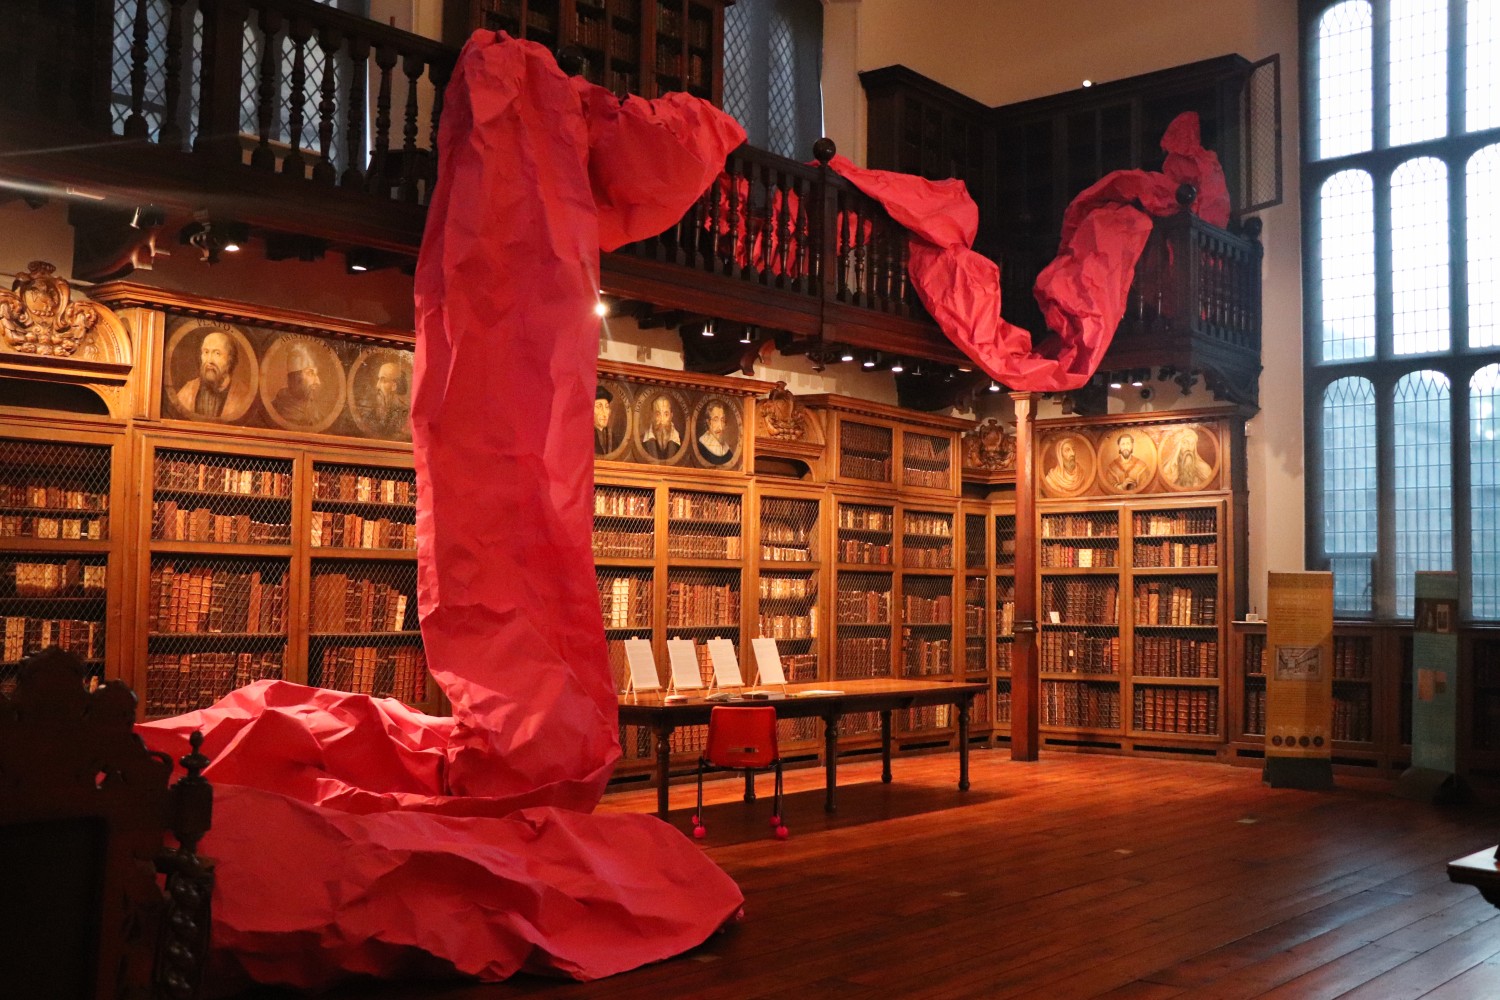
x=84, y=809
x=742, y=736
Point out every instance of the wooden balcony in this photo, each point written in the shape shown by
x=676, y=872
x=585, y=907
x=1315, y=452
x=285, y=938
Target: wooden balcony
x=313, y=131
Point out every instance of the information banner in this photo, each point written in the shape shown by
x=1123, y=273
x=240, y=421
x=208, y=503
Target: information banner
x=1299, y=666
x=1434, y=703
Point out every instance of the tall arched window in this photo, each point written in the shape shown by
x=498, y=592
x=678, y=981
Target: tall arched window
x=1401, y=179
x=772, y=66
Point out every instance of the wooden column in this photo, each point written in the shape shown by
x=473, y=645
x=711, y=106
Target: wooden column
x=1025, y=688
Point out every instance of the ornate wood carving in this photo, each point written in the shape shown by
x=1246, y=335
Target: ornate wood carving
x=39, y=317
x=989, y=447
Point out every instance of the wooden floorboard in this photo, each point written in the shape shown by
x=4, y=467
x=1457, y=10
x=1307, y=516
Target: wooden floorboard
x=1077, y=876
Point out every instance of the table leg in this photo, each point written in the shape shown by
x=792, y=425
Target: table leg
x=885, y=746
x=663, y=766
x=830, y=759
x=963, y=744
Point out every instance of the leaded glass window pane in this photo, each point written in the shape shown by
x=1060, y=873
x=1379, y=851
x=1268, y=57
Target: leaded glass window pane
x=1344, y=85
x=1346, y=256
x=1484, y=490
x=1419, y=257
x=1418, y=70
x=1424, y=480
x=1350, y=531
x=1481, y=68
x=1484, y=247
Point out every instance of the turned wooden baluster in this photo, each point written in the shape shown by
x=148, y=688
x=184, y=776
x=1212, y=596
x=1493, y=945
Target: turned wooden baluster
x=733, y=263
x=263, y=157
x=768, y=243
x=354, y=130
x=300, y=34
x=323, y=170
x=880, y=266
x=802, y=257
x=385, y=58
x=784, y=227
x=412, y=67
x=170, y=133
x=903, y=287
x=438, y=73
x=135, y=124
x=715, y=256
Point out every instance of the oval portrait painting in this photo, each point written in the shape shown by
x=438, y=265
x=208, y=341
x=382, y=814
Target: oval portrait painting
x=660, y=430
x=301, y=383
x=611, y=418
x=380, y=393
x=716, y=432
x=1067, y=465
x=1127, y=461
x=1189, y=458
x=210, y=372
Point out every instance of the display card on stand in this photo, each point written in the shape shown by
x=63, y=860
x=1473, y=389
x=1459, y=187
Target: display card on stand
x=642, y=666
x=683, y=659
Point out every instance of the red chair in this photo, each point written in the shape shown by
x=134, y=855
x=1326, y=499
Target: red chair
x=741, y=737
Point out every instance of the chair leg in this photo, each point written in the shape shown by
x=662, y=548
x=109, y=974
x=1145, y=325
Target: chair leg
x=699, y=830
x=776, y=821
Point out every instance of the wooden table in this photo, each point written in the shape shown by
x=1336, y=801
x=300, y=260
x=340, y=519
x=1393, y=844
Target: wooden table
x=1479, y=870
x=883, y=696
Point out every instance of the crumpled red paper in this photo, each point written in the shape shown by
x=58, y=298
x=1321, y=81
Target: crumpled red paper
x=1082, y=292
x=355, y=836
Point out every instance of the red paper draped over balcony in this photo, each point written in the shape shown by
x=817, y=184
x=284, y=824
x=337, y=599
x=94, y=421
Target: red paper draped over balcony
x=1082, y=292
x=356, y=836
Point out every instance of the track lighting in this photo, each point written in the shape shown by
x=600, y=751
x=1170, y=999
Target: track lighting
x=994, y=386
x=897, y=367
x=869, y=361
x=213, y=238
x=916, y=368
x=746, y=338
x=708, y=328
x=847, y=355
x=601, y=309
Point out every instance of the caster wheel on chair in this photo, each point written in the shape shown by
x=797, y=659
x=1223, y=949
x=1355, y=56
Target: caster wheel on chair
x=699, y=832
x=775, y=822
x=782, y=833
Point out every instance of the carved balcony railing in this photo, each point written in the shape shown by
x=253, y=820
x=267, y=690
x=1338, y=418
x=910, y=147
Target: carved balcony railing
x=316, y=130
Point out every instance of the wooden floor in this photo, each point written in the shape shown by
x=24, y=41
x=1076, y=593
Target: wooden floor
x=1077, y=876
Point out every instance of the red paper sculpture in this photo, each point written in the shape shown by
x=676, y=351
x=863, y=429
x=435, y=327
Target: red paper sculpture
x=355, y=836
x=1082, y=292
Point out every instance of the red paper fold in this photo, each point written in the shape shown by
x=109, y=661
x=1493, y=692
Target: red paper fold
x=1082, y=292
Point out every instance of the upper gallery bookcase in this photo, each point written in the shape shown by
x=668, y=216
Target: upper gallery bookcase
x=644, y=47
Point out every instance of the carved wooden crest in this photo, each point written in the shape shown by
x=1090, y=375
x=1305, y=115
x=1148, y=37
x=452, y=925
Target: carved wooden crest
x=782, y=417
x=989, y=447
x=38, y=316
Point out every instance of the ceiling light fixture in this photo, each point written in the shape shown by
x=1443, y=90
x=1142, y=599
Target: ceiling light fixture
x=870, y=360
x=994, y=386
x=601, y=309
x=746, y=338
x=708, y=328
x=846, y=355
x=897, y=366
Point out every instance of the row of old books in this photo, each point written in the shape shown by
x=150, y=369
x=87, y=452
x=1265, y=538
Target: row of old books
x=353, y=486
x=1078, y=556
x=702, y=604
x=196, y=600
x=686, y=545
x=852, y=550
x=921, y=655
x=929, y=717
x=856, y=658
x=800, y=668
x=39, y=526
x=790, y=626
x=716, y=507
x=920, y=610
x=67, y=578
x=1153, y=554
x=1002, y=705
x=933, y=479
x=1158, y=602
x=1077, y=526
x=864, y=607
x=625, y=601
x=1188, y=711
x=47, y=496
x=928, y=525
x=1170, y=656
x=1095, y=601
x=1255, y=653
x=1352, y=717
x=1005, y=617
x=1070, y=652
x=925, y=448
x=857, y=466
x=171, y=523
x=973, y=618
x=784, y=553
x=381, y=671
x=1255, y=709
x=345, y=603
x=335, y=530
x=210, y=477
x=1352, y=658
x=1198, y=521
x=866, y=518
x=21, y=635
x=927, y=556
x=1003, y=646
x=624, y=544
x=787, y=587
x=1083, y=706
x=623, y=503
x=979, y=713
x=974, y=654
x=185, y=682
